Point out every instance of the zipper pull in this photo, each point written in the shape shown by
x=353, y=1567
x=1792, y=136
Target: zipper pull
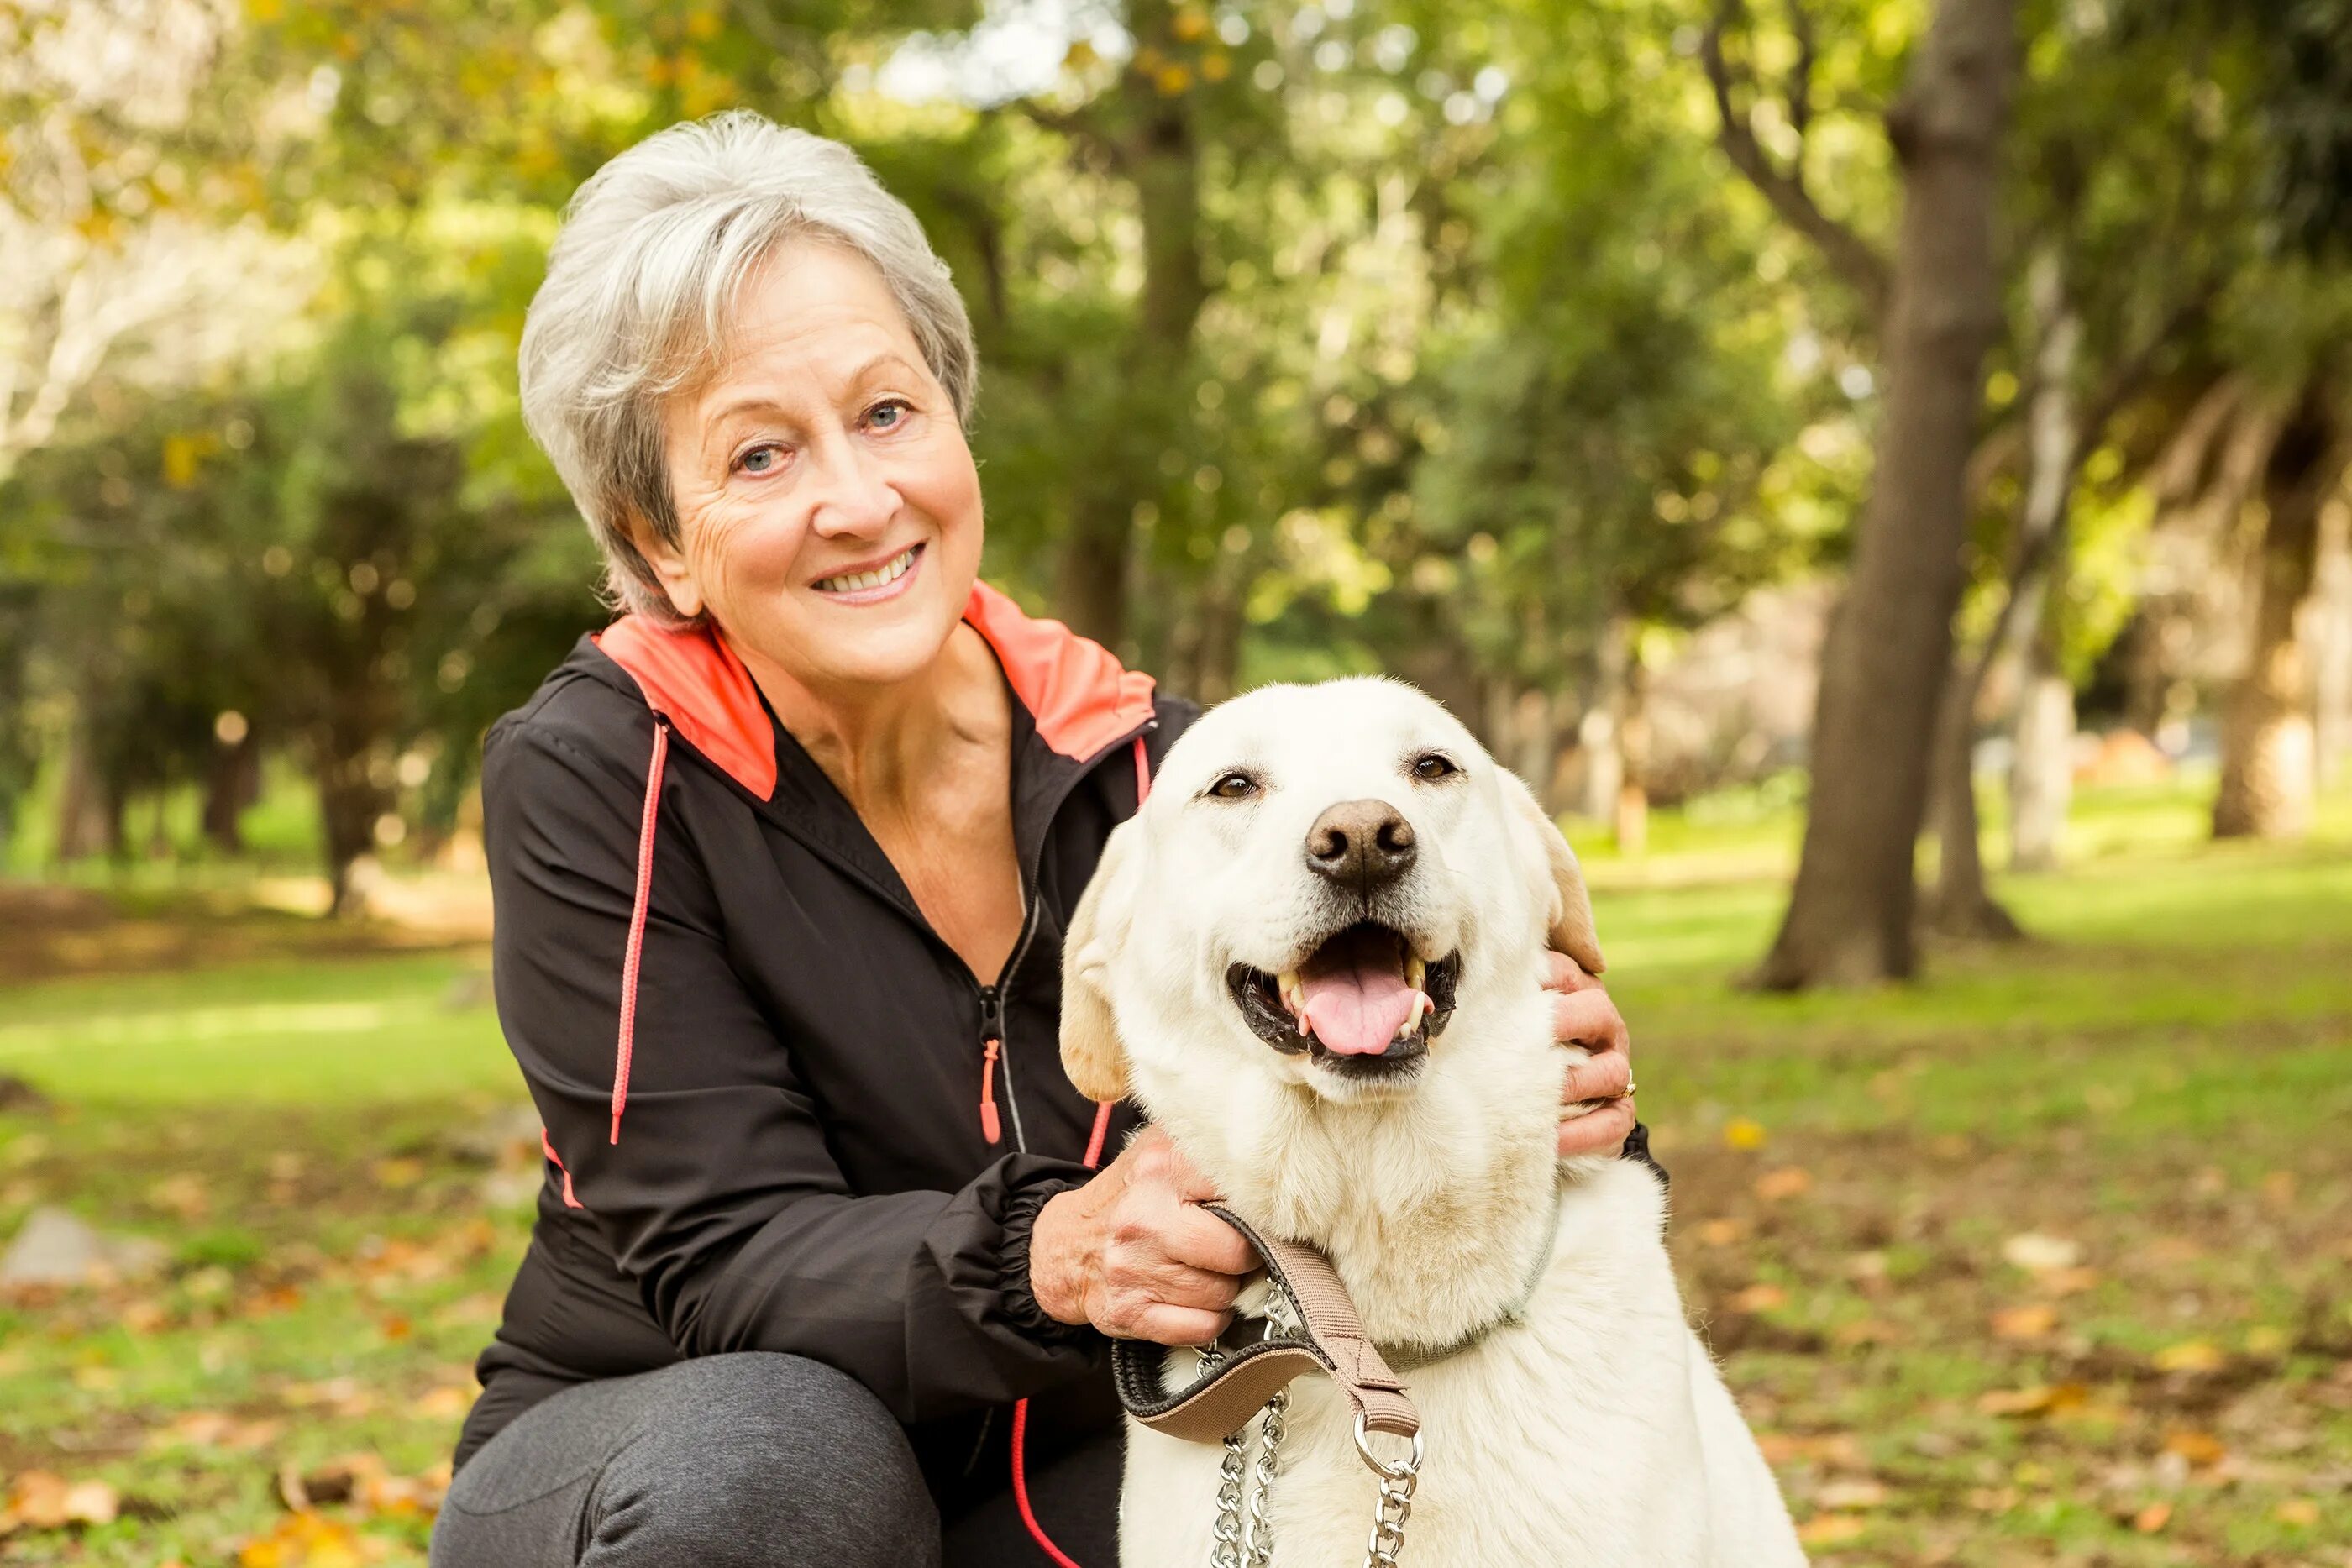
x=992, y=1046
x=988, y=1119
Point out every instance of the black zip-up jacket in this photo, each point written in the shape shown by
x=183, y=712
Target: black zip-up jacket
x=781, y=1112
x=787, y=1116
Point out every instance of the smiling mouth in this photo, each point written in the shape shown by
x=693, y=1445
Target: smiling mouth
x=1361, y=1004
x=882, y=575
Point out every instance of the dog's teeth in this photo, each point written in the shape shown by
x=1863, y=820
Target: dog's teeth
x=1416, y=973
x=1293, y=994
x=1421, y=1007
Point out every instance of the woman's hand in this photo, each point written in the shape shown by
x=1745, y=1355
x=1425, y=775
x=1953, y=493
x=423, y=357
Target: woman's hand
x=1583, y=1015
x=1133, y=1253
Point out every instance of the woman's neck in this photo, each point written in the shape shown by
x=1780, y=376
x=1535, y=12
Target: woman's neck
x=885, y=745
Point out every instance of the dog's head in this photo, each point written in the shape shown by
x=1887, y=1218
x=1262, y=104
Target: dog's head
x=1322, y=877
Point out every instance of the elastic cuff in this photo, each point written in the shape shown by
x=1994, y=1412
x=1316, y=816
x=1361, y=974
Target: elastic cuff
x=1020, y=1302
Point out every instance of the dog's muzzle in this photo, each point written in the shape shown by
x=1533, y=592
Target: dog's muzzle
x=1361, y=1003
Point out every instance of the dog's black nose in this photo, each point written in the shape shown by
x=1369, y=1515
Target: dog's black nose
x=1363, y=843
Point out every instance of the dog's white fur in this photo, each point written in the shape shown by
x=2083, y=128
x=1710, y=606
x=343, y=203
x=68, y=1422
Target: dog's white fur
x=1593, y=1431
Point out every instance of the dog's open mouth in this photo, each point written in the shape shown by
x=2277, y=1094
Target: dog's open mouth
x=1362, y=1003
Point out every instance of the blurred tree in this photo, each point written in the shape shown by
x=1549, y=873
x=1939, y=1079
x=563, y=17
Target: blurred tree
x=1889, y=647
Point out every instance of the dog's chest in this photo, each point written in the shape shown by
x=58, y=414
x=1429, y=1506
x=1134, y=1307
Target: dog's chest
x=1569, y=1439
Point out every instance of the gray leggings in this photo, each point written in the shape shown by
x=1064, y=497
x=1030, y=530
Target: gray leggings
x=751, y=1460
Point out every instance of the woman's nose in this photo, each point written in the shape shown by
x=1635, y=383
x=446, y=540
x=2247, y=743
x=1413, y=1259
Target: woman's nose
x=855, y=494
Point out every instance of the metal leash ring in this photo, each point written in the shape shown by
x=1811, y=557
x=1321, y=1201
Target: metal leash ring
x=1387, y=1469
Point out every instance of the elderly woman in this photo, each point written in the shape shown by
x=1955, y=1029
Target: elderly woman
x=782, y=859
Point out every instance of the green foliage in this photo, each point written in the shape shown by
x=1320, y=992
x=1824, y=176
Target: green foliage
x=1315, y=337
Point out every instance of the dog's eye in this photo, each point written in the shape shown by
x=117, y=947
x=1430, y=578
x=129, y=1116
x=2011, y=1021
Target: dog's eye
x=1234, y=786
x=1431, y=766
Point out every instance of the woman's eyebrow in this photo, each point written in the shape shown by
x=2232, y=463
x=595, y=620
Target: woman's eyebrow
x=887, y=359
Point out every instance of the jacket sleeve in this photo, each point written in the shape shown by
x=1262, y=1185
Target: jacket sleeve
x=720, y=1199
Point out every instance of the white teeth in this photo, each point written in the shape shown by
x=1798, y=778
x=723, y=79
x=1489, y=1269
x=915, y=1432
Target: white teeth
x=1422, y=1004
x=1293, y=995
x=1416, y=973
x=851, y=582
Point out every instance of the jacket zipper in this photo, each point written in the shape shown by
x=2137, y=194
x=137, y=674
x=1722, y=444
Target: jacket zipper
x=995, y=1048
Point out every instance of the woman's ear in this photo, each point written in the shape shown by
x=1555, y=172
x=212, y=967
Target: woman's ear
x=1091, y=1052
x=1570, y=926
x=669, y=567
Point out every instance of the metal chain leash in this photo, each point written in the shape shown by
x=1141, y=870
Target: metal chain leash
x=1398, y=1477
x=1225, y=1548
x=1231, y=1547
x=1260, y=1544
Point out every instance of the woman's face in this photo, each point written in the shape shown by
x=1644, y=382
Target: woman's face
x=829, y=509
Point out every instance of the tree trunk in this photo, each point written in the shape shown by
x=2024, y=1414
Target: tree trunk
x=349, y=805
x=1160, y=155
x=90, y=805
x=2267, y=763
x=1963, y=905
x=1890, y=643
x=232, y=782
x=2041, y=775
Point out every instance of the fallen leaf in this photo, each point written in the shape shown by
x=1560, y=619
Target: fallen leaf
x=1722, y=1232
x=1743, y=1132
x=2297, y=1510
x=1830, y=1529
x=307, y=1539
x=2039, y=1254
x=2040, y=1399
x=43, y=1499
x=2152, y=1517
x=443, y=1404
x=1786, y=1182
x=1759, y=1298
x=2024, y=1322
x=2197, y=1448
x=2264, y=1340
x=2190, y=1355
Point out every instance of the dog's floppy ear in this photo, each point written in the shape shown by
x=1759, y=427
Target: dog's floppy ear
x=1091, y=1054
x=1570, y=929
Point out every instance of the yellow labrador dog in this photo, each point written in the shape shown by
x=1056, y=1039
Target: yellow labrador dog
x=1313, y=957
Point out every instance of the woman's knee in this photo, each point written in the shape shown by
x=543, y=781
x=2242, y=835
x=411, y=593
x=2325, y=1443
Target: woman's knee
x=762, y=1458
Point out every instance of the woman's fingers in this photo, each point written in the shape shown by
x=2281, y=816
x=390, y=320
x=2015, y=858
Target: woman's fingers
x=1600, y=1087
x=1562, y=973
x=1601, y=1130
x=1164, y=1324
x=1203, y=1241
x=1587, y=1018
x=1607, y=1077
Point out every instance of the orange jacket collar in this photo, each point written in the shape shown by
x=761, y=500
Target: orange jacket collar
x=1080, y=698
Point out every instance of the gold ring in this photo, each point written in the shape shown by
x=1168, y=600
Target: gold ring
x=1629, y=1090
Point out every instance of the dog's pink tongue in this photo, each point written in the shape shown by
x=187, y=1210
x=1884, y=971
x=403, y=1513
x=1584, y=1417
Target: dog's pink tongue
x=1356, y=1009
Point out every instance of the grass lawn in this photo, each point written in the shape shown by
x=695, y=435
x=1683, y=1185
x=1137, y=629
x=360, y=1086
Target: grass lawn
x=2048, y=1259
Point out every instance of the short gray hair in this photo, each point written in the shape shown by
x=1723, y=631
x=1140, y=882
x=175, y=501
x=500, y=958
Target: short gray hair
x=644, y=278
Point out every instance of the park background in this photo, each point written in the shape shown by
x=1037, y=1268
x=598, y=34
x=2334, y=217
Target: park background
x=1575, y=359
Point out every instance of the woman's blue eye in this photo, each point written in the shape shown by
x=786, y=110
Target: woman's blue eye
x=759, y=460
x=897, y=412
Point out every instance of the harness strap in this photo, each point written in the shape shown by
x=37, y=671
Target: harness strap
x=1332, y=1342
